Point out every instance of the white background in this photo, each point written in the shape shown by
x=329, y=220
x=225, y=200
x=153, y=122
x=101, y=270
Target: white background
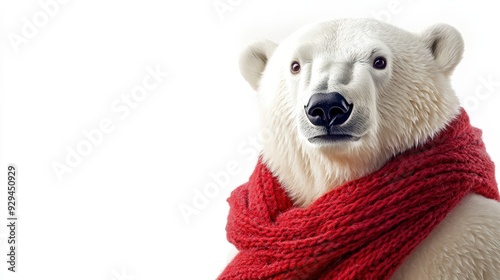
x=116, y=214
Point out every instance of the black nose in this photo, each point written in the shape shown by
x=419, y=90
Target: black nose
x=328, y=109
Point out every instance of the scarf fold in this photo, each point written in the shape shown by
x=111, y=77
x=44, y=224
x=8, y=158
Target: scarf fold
x=365, y=228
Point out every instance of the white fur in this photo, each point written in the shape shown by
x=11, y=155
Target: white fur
x=395, y=109
x=465, y=245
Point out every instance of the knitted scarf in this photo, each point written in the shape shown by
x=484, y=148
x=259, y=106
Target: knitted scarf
x=365, y=228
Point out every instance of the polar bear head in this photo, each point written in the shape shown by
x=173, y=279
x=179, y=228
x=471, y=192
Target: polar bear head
x=337, y=99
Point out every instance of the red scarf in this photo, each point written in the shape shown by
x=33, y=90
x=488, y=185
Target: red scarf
x=365, y=228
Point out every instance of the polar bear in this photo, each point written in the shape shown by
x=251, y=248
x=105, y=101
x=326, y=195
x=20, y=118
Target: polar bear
x=385, y=90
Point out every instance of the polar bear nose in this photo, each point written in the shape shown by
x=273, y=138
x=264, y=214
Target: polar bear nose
x=328, y=109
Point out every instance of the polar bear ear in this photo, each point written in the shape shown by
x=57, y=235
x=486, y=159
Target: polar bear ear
x=253, y=61
x=446, y=45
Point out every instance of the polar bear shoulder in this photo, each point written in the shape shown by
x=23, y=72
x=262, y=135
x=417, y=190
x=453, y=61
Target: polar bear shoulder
x=465, y=245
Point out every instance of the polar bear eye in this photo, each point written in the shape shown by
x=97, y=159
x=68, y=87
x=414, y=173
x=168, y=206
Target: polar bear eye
x=295, y=67
x=379, y=62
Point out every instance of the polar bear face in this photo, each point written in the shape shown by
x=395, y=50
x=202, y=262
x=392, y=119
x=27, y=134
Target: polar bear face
x=337, y=99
